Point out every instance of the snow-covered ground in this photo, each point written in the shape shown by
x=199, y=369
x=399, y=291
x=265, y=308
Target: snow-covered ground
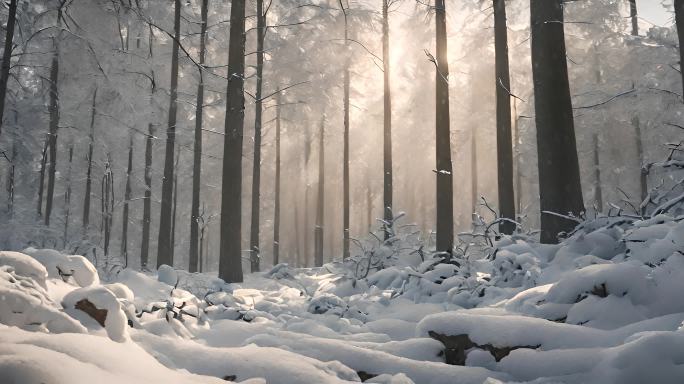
x=605, y=306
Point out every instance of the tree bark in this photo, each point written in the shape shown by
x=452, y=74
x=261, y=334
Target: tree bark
x=559, y=176
x=345, y=167
x=230, y=262
x=127, y=198
x=276, y=209
x=147, y=200
x=643, y=174
x=54, y=126
x=254, y=249
x=473, y=172
x=11, y=176
x=320, y=203
x=89, y=171
x=165, y=245
x=634, y=16
x=445, y=188
x=174, y=206
x=7, y=55
x=679, y=20
x=503, y=120
x=67, y=197
x=387, y=121
x=197, y=150
x=598, y=192
x=41, y=181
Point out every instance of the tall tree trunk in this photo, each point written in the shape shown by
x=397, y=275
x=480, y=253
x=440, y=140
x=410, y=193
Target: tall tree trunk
x=320, y=203
x=679, y=20
x=306, y=255
x=445, y=187
x=7, y=55
x=276, y=209
x=387, y=121
x=147, y=200
x=643, y=174
x=634, y=16
x=345, y=167
x=298, y=246
x=41, y=181
x=598, y=192
x=12, y=168
x=54, y=126
x=369, y=206
x=127, y=198
x=67, y=197
x=174, y=206
x=165, y=246
x=107, y=205
x=559, y=176
x=197, y=152
x=518, y=162
x=254, y=250
x=504, y=150
x=230, y=262
x=89, y=171
x=474, y=195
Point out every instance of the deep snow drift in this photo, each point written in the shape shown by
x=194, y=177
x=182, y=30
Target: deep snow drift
x=602, y=307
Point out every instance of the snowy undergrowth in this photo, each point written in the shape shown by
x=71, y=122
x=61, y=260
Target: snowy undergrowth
x=602, y=307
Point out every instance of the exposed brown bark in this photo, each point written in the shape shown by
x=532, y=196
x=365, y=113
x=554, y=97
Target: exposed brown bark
x=165, y=245
x=445, y=188
x=230, y=262
x=559, y=176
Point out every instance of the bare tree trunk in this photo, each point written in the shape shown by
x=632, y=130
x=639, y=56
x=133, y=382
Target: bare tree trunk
x=643, y=174
x=503, y=120
x=107, y=204
x=230, y=262
x=89, y=172
x=41, y=182
x=369, y=206
x=197, y=152
x=54, y=126
x=165, y=246
x=7, y=55
x=320, y=203
x=598, y=192
x=254, y=249
x=298, y=247
x=559, y=176
x=387, y=121
x=345, y=167
x=147, y=200
x=679, y=20
x=276, y=214
x=445, y=188
x=12, y=169
x=634, y=16
x=175, y=206
x=201, y=239
x=127, y=198
x=67, y=197
x=518, y=163
x=474, y=195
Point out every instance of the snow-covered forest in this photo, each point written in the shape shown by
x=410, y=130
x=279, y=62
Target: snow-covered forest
x=328, y=191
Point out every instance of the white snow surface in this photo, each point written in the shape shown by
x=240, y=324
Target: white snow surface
x=602, y=307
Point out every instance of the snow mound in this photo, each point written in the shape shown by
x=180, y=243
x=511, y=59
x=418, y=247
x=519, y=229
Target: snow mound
x=167, y=275
x=25, y=304
x=102, y=306
x=25, y=265
x=67, y=267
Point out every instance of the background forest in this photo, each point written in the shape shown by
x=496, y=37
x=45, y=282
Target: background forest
x=90, y=99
